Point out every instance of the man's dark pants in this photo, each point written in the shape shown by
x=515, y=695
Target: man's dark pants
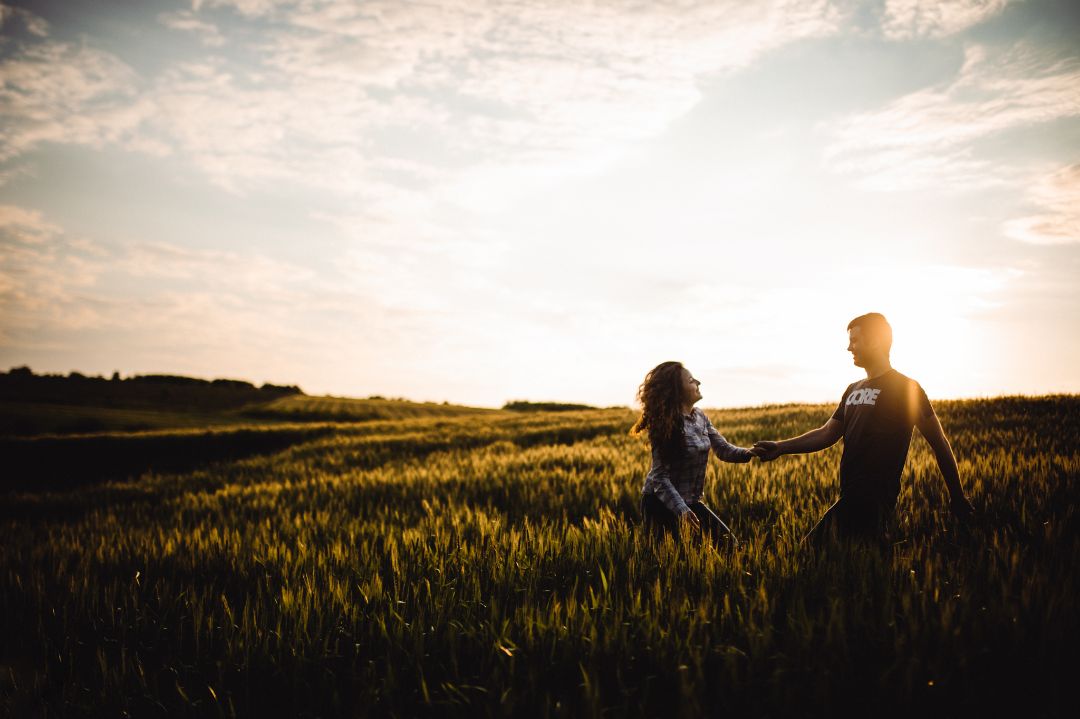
x=853, y=519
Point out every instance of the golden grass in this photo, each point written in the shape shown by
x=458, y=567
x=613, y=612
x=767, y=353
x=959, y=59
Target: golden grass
x=491, y=564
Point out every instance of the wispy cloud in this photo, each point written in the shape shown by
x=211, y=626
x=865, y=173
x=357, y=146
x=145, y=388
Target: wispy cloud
x=159, y=306
x=25, y=227
x=43, y=276
x=153, y=292
x=490, y=84
x=188, y=21
x=535, y=83
x=1056, y=199
x=930, y=137
x=12, y=17
x=57, y=92
x=398, y=110
x=905, y=19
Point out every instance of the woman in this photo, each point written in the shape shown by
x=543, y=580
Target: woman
x=681, y=436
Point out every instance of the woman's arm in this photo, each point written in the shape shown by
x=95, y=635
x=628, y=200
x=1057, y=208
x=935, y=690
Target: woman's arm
x=660, y=484
x=726, y=451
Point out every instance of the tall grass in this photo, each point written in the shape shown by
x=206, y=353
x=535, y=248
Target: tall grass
x=492, y=565
x=301, y=408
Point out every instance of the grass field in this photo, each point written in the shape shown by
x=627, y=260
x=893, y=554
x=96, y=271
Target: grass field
x=23, y=419
x=344, y=409
x=36, y=418
x=490, y=564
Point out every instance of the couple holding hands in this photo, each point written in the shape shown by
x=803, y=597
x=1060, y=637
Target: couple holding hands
x=875, y=418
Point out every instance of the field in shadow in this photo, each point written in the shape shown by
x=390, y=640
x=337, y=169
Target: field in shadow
x=53, y=463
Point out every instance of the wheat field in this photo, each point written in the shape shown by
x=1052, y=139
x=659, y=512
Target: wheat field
x=492, y=565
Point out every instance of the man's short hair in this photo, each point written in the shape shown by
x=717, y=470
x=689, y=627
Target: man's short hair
x=875, y=326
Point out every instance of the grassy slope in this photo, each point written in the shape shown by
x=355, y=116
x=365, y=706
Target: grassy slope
x=37, y=418
x=343, y=409
x=490, y=565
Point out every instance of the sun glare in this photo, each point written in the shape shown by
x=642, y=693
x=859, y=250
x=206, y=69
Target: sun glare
x=938, y=336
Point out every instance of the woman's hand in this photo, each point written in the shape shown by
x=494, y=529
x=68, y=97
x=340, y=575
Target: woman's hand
x=689, y=523
x=744, y=455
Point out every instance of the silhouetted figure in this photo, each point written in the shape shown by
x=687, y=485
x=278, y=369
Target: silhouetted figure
x=681, y=437
x=875, y=417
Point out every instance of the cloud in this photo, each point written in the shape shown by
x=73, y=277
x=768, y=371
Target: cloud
x=930, y=137
x=25, y=227
x=43, y=275
x=64, y=93
x=187, y=21
x=245, y=132
x=484, y=85
x=164, y=307
x=1057, y=199
x=904, y=19
x=13, y=16
x=8, y=174
x=401, y=116
x=534, y=83
x=259, y=278
x=51, y=281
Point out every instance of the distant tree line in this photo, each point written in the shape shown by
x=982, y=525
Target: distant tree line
x=524, y=406
x=153, y=391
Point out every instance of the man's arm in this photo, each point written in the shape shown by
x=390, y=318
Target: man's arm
x=815, y=440
x=930, y=428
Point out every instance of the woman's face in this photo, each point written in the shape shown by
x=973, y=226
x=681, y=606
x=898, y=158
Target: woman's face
x=691, y=387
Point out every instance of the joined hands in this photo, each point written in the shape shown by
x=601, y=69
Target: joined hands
x=766, y=451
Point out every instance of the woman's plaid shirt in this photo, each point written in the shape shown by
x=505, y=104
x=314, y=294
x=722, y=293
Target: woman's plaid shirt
x=677, y=489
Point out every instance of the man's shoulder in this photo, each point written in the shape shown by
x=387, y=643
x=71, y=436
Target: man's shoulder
x=914, y=395
x=902, y=378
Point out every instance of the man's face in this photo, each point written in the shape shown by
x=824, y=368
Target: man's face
x=860, y=347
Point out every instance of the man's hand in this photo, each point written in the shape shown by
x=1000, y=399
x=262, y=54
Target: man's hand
x=766, y=451
x=689, y=524
x=961, y=508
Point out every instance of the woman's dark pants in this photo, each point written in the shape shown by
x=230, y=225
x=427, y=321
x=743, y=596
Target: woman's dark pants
x=660, y=520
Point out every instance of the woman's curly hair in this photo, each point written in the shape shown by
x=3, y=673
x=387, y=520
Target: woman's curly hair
x=661, y=396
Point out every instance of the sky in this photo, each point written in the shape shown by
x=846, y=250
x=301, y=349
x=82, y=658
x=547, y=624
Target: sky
x=478, y=202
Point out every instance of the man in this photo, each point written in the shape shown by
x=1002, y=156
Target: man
x=875, y=417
